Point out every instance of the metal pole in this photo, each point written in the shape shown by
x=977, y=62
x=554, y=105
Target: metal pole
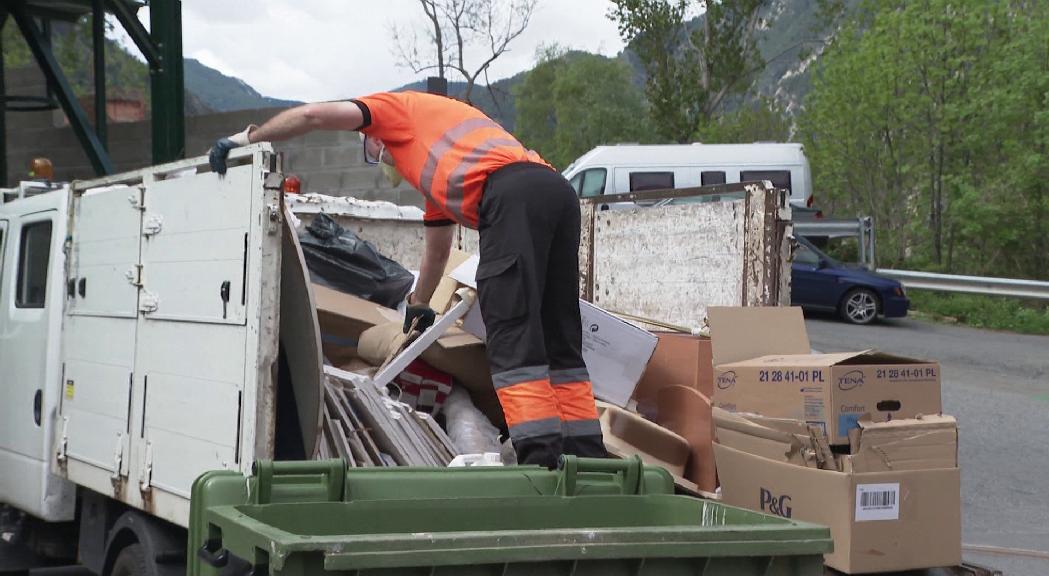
x=166, y=85
x=98, y=37
x=55, y=78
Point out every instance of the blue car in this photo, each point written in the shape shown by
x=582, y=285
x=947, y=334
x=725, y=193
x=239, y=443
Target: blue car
x=819, y=282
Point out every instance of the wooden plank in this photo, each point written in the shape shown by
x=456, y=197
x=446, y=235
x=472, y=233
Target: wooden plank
x=368, y=443
x=341, y=421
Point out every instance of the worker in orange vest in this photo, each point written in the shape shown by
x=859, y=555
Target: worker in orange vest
x=474, y=173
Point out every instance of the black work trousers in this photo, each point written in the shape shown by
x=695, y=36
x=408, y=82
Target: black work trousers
x=528, y=287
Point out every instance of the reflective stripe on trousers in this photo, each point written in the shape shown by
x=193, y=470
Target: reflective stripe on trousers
x=539, y=402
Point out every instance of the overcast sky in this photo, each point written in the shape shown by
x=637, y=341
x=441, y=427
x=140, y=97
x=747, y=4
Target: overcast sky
x=314, y=50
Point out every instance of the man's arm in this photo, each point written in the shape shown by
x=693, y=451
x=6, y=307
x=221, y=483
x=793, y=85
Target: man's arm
x=307, y=118
x=438, y=245
x=289, y=124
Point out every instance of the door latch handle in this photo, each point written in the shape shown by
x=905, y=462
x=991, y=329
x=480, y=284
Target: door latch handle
x=224, y=294
x=38, y=405
x=82, y=287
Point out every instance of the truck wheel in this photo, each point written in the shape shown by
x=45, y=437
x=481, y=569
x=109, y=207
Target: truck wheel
x=131, y=562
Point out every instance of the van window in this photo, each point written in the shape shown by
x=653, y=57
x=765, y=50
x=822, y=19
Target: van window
x=640, y=181
x=33, y=258
x=576, y=181
x=779, y=178
x=593, y=182
x=711, y=178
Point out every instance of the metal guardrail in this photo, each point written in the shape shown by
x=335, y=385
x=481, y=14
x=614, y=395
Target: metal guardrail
x=860, y=228
x=970, y=284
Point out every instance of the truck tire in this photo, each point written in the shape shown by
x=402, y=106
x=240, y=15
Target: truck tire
x=131, y=561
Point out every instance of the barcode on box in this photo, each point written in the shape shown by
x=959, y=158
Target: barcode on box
x=877, y=502
x=878, y=499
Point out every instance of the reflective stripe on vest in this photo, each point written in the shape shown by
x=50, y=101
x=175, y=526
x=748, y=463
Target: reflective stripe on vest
x=454, y=190
x=455, y=194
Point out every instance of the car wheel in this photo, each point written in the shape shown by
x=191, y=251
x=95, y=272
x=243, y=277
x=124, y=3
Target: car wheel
x=859, y=306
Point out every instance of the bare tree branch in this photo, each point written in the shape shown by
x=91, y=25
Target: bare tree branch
x=484, y=28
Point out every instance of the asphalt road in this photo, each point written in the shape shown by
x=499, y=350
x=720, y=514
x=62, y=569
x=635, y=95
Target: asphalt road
x=997, y=385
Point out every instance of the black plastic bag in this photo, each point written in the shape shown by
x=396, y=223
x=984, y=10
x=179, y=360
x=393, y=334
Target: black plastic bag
x=339, y=259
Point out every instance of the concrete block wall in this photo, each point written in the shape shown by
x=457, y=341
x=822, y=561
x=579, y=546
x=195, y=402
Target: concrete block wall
x=326, y=162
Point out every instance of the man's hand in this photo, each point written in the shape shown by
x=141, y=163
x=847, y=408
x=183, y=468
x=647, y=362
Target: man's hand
x=220, y=150
x=421, y=314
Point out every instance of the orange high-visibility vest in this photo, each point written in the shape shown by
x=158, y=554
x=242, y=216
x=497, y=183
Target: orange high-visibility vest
x=444, y=148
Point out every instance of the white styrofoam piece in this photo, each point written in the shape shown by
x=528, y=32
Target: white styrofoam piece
x=395, y=367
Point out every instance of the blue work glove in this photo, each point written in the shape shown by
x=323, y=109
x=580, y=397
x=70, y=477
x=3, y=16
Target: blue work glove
x=220, y=150
x=421, y=314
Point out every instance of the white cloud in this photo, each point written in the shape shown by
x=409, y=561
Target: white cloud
x=327, y=49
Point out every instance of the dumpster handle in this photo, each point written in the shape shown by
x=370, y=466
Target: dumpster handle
x=214, y=554
x=632, y=471
x=332, y=475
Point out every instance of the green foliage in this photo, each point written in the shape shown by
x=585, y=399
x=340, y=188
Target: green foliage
x=983, y=311
x=690, y=72
x=571, y=102
x=761, y=121
x=126, y=76
x=933, y=117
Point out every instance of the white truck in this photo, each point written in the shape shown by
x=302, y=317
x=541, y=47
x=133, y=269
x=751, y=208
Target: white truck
x=140, y=329
x=159, y=324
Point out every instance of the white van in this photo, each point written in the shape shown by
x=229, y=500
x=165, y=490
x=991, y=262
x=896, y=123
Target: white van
x=625, y=168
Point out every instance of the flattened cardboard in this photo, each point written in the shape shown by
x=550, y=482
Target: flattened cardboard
x=925, y=534
x=745, y=332
x=686, y=412
x=830, y=390
x=627, y=434
x=441, y=300
x=909, y=444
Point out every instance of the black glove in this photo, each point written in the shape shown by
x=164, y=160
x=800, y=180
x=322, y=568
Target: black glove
x=218, y=154
x=220, y=151
x=423, y=313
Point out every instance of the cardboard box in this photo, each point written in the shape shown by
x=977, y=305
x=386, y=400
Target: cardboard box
x=343, y=318
x=615, y=352
x=881, y=519
x=678, y=360
x=912, y=519
x=833, y=391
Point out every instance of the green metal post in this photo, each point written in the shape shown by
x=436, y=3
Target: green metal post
x=98, y=37
x=38, y=45
x=167, y=89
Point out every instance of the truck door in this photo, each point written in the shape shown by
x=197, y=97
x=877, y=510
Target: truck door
x=99, y=328
x=205, y=241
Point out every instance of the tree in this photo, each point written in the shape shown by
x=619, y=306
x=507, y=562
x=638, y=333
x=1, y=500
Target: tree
x=690, y=69
x=571, y=102
x=454, y=28
x=932, y=117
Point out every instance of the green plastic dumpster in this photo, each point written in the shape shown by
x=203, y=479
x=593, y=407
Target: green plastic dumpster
x=591, y=517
